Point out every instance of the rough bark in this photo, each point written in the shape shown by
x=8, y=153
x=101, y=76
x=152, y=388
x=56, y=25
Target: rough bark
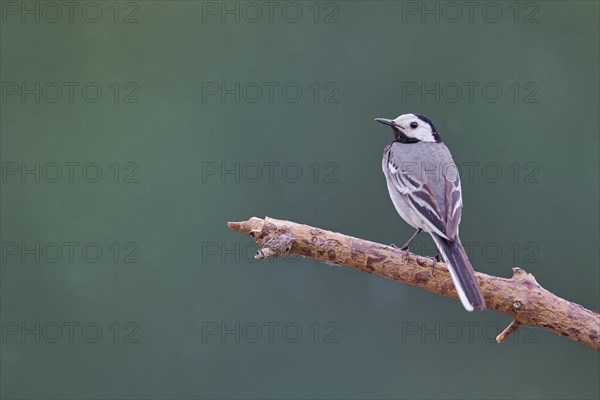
x=520, y=297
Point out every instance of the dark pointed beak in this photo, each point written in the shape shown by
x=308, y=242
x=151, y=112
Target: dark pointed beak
x=385, y=121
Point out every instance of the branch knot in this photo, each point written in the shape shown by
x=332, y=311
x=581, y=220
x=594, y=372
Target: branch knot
x=277, y=246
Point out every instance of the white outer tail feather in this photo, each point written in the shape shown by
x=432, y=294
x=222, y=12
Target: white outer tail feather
x=459, y=289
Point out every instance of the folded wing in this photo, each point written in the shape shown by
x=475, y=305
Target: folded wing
x=422, y=195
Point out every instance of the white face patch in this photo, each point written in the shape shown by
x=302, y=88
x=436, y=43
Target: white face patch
x=414, y=127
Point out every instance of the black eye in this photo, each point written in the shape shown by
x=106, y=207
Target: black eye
x=413, y=125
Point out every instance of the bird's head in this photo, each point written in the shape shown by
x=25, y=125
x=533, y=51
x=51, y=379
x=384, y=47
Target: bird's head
x=412, y=128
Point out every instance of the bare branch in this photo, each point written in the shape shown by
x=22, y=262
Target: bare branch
x=519, y=297
x=510, y=329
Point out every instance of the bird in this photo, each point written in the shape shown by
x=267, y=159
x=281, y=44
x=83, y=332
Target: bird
x=424, y=185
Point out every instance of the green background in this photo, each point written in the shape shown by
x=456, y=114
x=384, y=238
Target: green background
x=377, y=338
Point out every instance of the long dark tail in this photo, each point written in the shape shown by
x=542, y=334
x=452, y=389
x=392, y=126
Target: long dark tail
x=462, y=273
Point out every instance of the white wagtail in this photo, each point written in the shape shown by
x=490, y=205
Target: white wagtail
x=424, y=185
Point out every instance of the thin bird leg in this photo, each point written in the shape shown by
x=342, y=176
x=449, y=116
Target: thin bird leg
x=405, y=245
